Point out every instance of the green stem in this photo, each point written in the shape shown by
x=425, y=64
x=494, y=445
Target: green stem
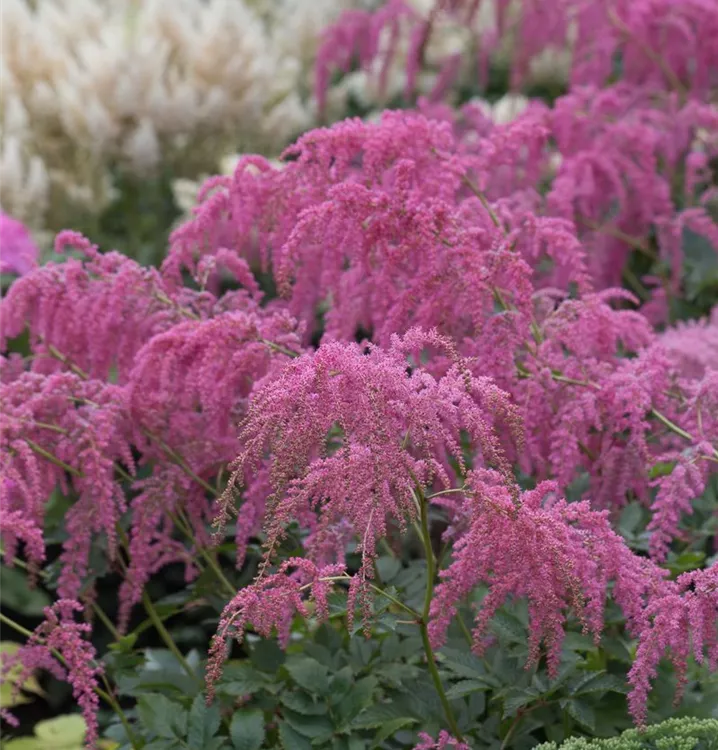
x=182, y=523
x=165, y=635
x=106, y=621
x=281, y=349
x=114, y=703
x=423, y=623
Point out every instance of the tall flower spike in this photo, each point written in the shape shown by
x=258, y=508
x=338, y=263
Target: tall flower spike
x=270, y=603
x=60, y=634
x=352, y=436
x=560, y=556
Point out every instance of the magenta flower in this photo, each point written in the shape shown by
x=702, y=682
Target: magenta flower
x=18, y=251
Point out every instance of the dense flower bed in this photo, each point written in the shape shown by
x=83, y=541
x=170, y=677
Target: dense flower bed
x=442, y=333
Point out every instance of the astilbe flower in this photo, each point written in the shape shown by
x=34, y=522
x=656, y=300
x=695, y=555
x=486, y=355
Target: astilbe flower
x=352, y=436
x=185, y=362
x=59, y=429
x=679, y=621
x=661, y=45
x=59, y=635
x=96, y=313
x=18, y=250
x=443, y=742
x=693, y=345
x=558, y=555
x=268, y=603
x=620, y=149
x=588, y=409
x=377, y=220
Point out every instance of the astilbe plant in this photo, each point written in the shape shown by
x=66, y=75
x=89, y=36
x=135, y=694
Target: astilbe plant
x=460, y=279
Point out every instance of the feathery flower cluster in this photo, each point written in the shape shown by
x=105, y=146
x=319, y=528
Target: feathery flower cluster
x=114, y=345
x=59, y=645
x=693, y=345
x=659, y=44
x=88, y=85
x=18, y=251
x=353, y=437
x=444, y=742
x=271, y=602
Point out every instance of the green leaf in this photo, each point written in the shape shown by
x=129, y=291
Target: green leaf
x=391, y=727
x=581, y=711
x=518, y=698
x=31, y=685
x=125, y=644
x=247, y=730
x=203, y=722
x=301, y=702
x=378, y=715
x=241, y=679
x=466, y=687
x=388, y=568
x=24, y=743
x=686, y=561
x=18, y=596
x=599, y=683
x=62, y=732
x=464, y=664
x=630, y=519
x=291, y=739
x=358, y=698
x=661, y=469
x=313, y=727
x=509, y=627
x=309, y=674
x=267, y=656
x=162, y=716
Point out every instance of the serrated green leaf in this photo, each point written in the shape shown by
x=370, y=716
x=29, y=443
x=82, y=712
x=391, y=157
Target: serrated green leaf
x=581, y=711
x=378, y=715
x=291, y=739
x=466, y=687
x=247, y=729
x=267, y=656
x=241, y=679
x=518, y=698
x=388, y=568
x=162, y=716
x=303, y=703
x=309, y=674
x=508, y=627
x=358, y=698
x=203, y=722
x=599, y=683
x=313, y=727
x=464, y=664
x=391, y=727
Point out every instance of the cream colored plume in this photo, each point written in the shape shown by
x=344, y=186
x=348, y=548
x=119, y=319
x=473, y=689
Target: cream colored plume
x=88, y=86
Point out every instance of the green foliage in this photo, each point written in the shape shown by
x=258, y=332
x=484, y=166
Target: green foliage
x=673, y=734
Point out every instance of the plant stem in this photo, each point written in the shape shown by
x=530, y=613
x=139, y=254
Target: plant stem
x=165, y=635
x=114, y=703
x=423, y=622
